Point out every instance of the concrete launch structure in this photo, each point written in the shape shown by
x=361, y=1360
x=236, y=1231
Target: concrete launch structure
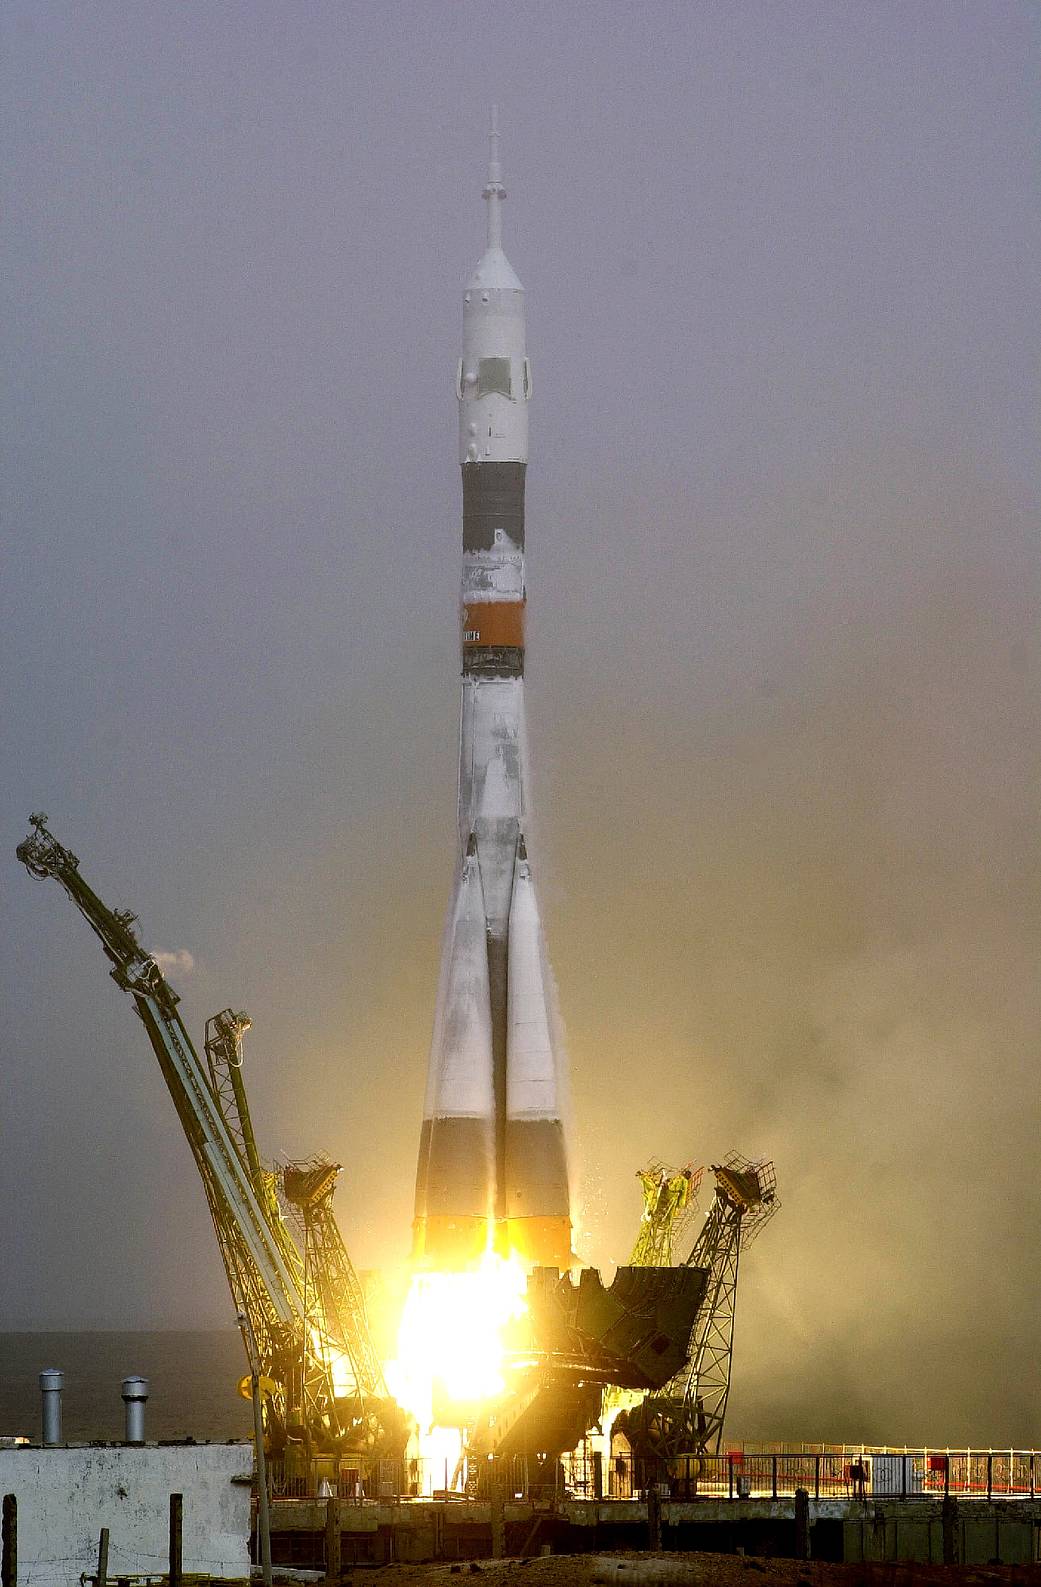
x=492, y=1170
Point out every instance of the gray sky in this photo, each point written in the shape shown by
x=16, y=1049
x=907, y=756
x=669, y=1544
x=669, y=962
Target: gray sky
x=783, y=584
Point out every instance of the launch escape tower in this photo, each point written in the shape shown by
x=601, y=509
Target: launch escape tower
x=492, y=1169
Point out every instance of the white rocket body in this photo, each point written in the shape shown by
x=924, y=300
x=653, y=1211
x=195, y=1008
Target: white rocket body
x=492, y=1164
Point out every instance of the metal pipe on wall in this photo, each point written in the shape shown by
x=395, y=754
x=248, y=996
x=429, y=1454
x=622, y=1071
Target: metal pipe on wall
x=135, y=1398
x=51, y=1384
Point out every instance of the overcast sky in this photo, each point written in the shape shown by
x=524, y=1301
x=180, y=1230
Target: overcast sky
x=783, y=577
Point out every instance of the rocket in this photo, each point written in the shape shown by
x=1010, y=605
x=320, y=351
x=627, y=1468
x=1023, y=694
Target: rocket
x=492, y=1171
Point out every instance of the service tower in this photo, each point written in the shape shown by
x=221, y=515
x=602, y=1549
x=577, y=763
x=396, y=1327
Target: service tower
x=492, y=1168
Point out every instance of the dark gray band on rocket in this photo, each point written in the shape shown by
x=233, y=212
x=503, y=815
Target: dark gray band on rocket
x=536, y=1169
x=494, y=661
x=493, y=498
x=498, y=972
x=456, y=1154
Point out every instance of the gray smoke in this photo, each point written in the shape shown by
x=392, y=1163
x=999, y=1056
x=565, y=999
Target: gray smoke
x=801, y=919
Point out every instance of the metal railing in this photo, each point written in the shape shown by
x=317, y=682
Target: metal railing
x=850, y=1473
x=824, y=1474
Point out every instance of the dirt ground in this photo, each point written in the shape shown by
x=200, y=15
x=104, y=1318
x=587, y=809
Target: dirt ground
x=687, y=1570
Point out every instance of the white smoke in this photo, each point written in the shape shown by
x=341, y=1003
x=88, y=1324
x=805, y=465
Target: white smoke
x=177, y=961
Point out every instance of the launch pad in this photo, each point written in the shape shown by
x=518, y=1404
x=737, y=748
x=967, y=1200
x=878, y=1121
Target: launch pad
x=492, y=1363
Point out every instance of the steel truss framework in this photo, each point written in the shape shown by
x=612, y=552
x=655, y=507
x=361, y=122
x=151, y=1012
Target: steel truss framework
x=744, y=1201
x=334, y=1303
x=668, y=1431
x=289, y=1309
x=670, y=1197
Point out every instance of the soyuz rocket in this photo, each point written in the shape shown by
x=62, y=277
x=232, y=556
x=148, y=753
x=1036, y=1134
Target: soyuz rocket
x=492, y=1172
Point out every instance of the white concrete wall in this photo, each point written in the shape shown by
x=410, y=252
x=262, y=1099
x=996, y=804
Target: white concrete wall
x=66, y=1495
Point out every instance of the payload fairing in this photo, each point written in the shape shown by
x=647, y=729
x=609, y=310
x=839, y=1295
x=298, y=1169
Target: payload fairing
x=492, y=1168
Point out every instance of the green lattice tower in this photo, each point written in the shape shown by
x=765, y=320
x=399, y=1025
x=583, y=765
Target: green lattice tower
x=669, y=1198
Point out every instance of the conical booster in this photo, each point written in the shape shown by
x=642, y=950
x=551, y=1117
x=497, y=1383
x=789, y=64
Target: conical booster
x=535, y=1166
x=455, y=1181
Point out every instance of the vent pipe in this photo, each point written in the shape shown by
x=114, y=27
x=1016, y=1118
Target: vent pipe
x=135, y=1396
x=51, y=1383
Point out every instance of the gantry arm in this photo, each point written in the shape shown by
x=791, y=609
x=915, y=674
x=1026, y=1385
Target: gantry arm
x=261, y=1278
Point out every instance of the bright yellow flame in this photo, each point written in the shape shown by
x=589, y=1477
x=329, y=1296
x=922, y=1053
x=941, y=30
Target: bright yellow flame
x=452, y=1353
x=341, y=1367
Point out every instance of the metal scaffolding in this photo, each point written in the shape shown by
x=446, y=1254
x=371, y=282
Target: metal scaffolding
x=745, y=1200
x=670, y=1197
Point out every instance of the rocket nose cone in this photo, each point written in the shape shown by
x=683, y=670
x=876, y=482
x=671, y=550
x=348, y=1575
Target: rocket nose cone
x=494, y=273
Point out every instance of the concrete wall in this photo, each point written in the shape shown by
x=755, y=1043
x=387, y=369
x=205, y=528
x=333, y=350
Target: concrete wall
x=981, y=1531
x=66, y=1495
x=884, y=1530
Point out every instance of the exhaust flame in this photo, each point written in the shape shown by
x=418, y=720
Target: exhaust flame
x=340, y=1365
x=451, y=1355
